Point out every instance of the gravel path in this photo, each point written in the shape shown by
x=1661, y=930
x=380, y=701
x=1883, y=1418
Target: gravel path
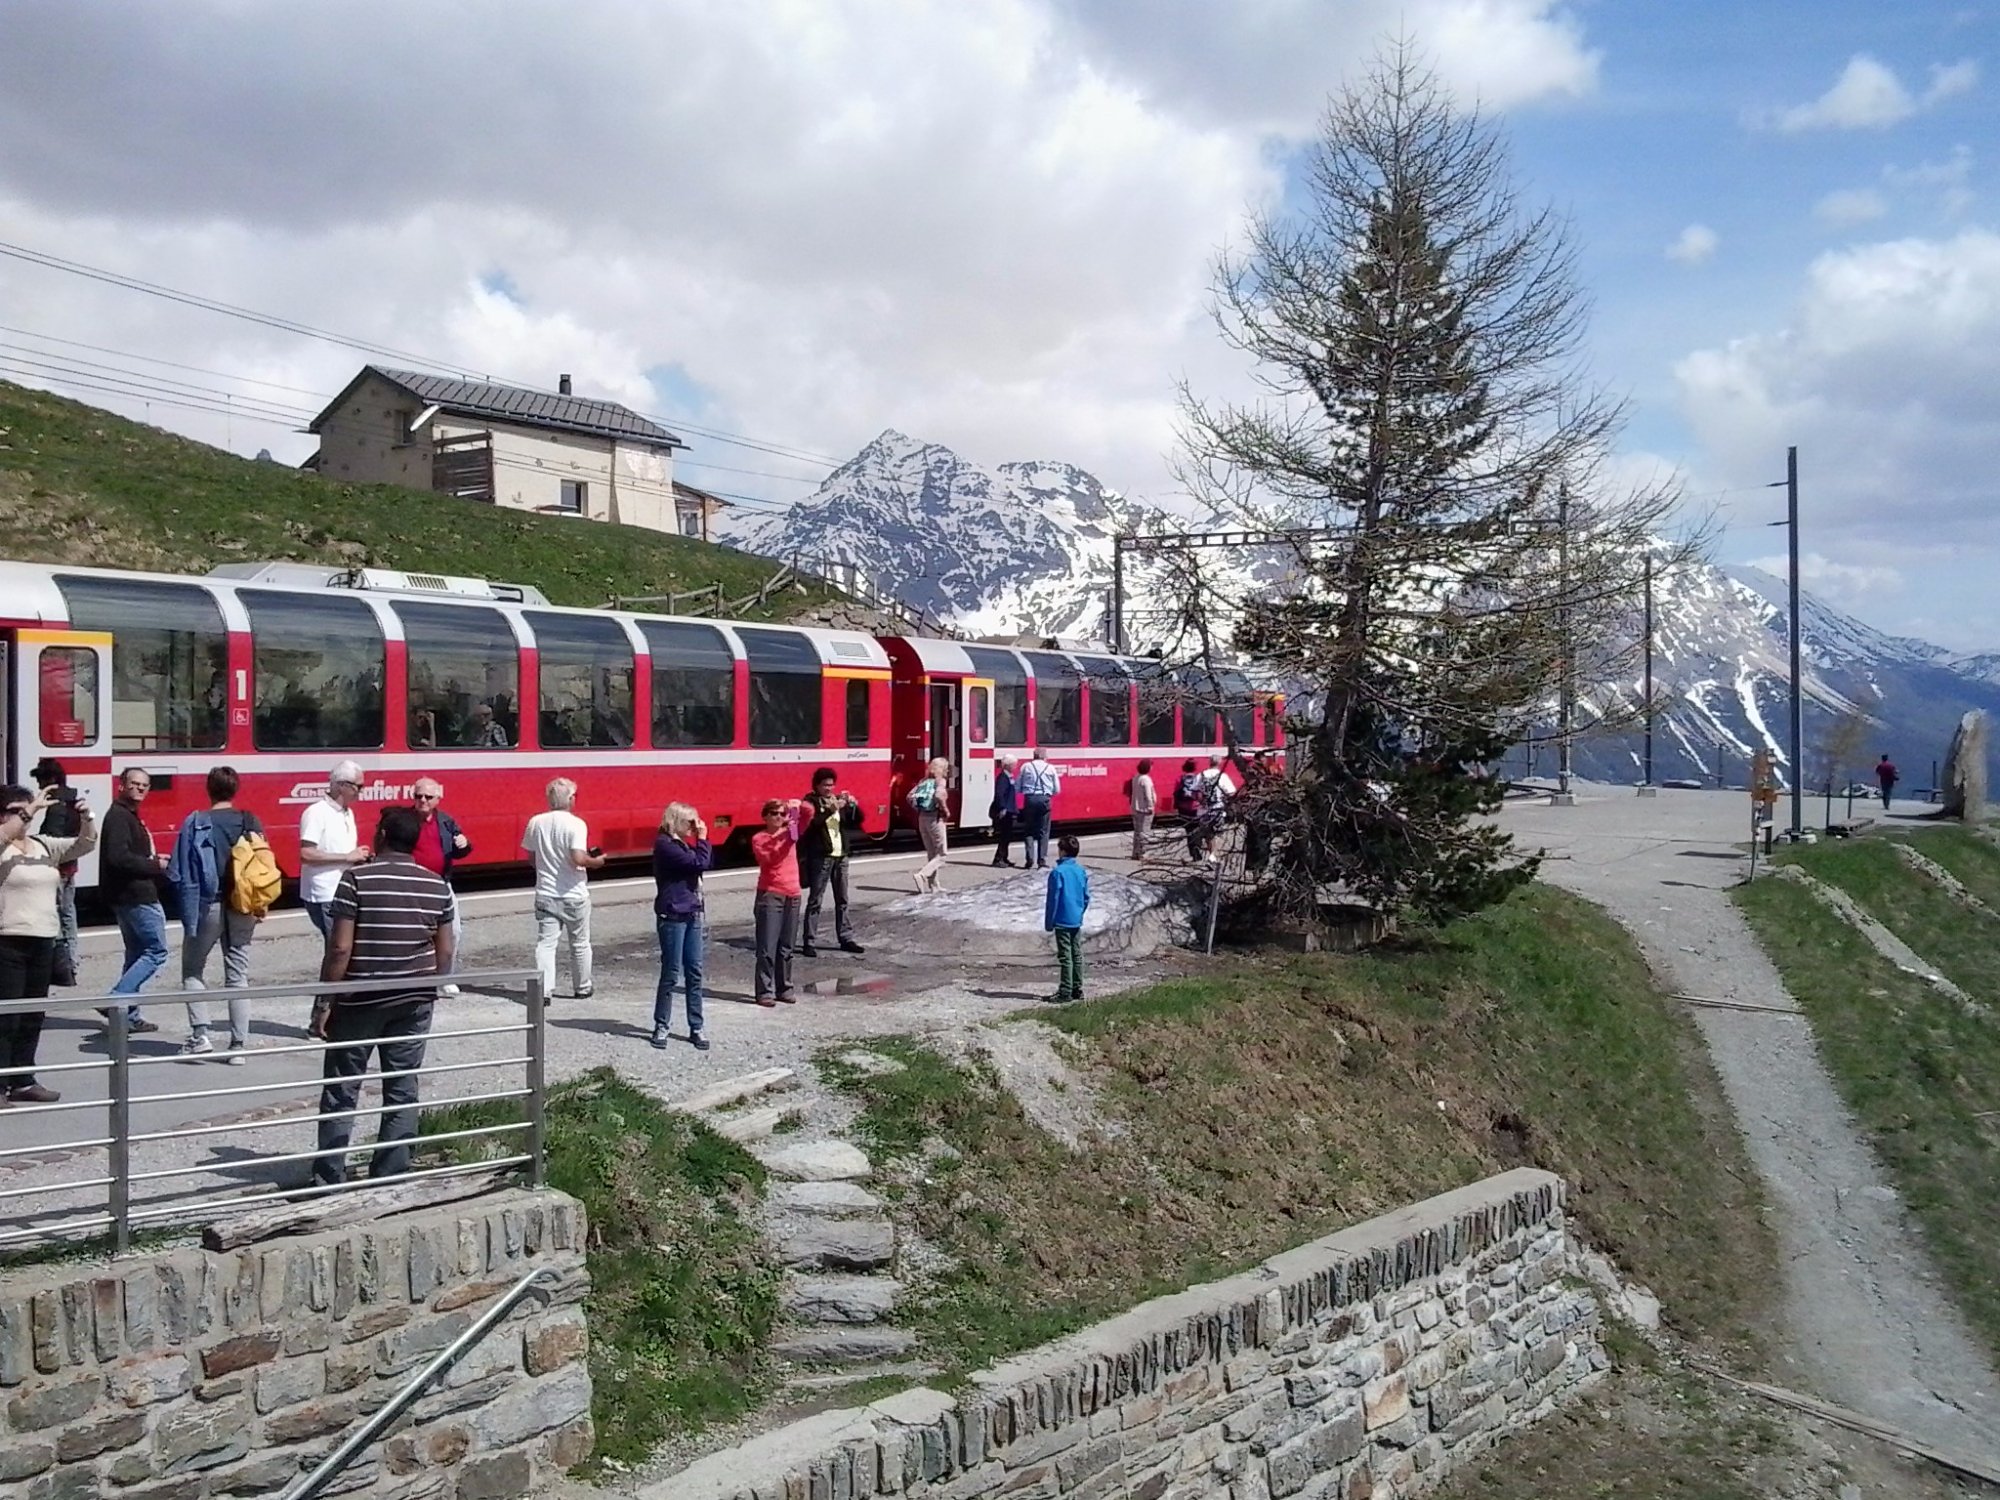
x=1871, y=1325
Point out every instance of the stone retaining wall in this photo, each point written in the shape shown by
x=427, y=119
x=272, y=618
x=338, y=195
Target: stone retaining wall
x=193, y=1375
x=1361, y=1366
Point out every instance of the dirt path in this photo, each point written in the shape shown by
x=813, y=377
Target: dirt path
x=1870, y=1324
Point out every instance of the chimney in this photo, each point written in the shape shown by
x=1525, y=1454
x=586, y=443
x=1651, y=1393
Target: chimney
x=562, y=385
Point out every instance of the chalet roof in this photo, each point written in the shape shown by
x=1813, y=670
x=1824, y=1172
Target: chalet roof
x=514, y=404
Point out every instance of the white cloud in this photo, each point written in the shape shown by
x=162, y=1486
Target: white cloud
x=1693, y=245
x=989, y=225
x=1851, y=206
x=1950, y=179
x=1869, y=96
x=1837, y=582
x=1881, y=376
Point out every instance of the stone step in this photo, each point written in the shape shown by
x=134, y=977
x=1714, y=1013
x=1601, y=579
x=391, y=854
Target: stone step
x=828, y=1200
x=844, y=1346
x=837, y=1244
x=816, y=1161
x=912, y=1370
x=736, y=1090
x=748, y=1125
x=842, y=1299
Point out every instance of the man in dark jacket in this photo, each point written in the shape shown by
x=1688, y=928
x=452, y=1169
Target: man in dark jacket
x=832, y=821
x=441, y=843
x=129, y=873
x=1005, y=810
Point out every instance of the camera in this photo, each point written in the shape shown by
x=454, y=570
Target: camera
x=595, y=851
x=65, y=794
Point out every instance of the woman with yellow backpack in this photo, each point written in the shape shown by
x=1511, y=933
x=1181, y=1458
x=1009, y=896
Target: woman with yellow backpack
x=226, y=878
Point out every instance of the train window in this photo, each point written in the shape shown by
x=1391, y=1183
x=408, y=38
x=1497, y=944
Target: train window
x=1110, y=700
x=1156, y=706
x=1197, y=694
x=1010, y=693
x=464, y=677
x=169, y=660
x=785, y=706
x=68, y=696
x=978, y=729
x=694, y=684
x=1058, y=699
x=1239, y=709
x=319, y=671
x=857, y=711
x=584, y=667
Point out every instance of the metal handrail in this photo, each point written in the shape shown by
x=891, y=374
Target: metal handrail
x=118, y=1137
x=330, y=1467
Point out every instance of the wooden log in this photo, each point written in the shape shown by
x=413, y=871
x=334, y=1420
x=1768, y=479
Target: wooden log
x=395, y=1196
x=736, y=1090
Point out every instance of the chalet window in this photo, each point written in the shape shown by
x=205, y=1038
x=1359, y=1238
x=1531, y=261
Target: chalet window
x=575, y=497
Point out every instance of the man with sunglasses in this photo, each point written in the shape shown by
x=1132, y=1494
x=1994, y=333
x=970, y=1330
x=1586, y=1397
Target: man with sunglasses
x=441, y=843
x=329, y=844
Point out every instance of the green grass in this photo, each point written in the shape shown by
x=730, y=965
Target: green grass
x=81, y=486
x=1974, y=860
x=1964, y=945
x=1915, y=1068
x=1284, y=1098
x=682, y=1296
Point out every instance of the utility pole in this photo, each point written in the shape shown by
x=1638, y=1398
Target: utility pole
x=1565, y=794
x=1647, y=789
x=1118, y=594
x=1798, y=695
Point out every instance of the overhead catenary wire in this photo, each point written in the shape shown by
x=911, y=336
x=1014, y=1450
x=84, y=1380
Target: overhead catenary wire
x=459, y=369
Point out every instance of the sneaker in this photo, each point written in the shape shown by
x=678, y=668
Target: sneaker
x=700, y=1041
x=197, y=1045
x=922, y=886
x=447, y=989
x=584, y=994
x=239, y=1054
x=850, y=946
x=661, y=1036
x=807, y=950
x=140, y=1028
x=33, y=1093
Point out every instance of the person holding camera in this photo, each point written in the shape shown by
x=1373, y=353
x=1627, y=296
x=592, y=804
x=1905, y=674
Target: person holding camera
x=61, y=822
x=30, y=928
x=681, y=854
x=559, y=843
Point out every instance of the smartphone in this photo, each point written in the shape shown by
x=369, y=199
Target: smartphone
x=595, y=851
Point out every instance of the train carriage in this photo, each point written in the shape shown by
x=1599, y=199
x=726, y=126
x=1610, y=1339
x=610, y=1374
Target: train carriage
x=283, y=669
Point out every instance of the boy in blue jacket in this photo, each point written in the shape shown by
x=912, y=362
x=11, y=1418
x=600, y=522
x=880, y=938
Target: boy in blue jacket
x=1069, y=899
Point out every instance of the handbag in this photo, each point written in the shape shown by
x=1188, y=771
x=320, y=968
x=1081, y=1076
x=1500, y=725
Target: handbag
x=62, y=967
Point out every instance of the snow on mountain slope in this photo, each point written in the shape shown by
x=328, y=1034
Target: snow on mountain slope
x=1025, y=548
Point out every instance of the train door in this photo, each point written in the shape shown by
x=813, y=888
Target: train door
x=975, y=755
x=59, y=697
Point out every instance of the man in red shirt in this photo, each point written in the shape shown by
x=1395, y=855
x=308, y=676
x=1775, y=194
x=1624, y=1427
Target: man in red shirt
x=440, y=844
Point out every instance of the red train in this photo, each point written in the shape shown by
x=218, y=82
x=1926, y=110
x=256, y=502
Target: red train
x=282, y=669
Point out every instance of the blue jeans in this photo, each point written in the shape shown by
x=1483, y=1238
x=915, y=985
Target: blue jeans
x=681, y=940
x=144, y=929
x=320, y=914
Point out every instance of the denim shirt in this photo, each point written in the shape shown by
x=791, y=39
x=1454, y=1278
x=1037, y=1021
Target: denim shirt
x=677, y=871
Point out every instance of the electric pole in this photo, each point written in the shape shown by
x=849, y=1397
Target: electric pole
x=1798, y=692
x=1646, y=788
x=1565, y=794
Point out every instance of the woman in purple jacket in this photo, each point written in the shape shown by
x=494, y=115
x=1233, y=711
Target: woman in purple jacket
x=680, y=854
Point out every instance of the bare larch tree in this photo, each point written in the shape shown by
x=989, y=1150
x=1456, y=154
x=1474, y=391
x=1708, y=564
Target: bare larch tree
x=1434, y=457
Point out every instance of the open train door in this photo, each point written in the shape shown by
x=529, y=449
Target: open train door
x=59, y=705
x=975, y=754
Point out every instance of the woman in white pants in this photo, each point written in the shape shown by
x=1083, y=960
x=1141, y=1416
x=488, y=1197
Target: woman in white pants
x=931, y=800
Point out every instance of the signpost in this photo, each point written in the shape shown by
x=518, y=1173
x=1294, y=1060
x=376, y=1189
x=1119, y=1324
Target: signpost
x=1763, y=801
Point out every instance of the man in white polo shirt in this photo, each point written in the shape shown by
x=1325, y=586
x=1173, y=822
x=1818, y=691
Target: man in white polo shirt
x=329, y=843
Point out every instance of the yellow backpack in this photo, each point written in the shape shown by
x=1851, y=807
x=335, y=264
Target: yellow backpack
x=254, y=881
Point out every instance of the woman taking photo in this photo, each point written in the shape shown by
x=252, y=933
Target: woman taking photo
x=776, y=908
x=931, y=801
x=30, y=925
x=680, y=854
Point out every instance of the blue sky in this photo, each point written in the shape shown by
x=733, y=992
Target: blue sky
x=991, y=225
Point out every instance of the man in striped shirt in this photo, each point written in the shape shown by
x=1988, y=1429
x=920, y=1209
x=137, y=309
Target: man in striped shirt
x=388, y=918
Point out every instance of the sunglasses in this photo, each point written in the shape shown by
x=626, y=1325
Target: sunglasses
x=425, y=796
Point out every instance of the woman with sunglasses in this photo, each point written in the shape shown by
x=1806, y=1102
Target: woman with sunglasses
x=30, y=925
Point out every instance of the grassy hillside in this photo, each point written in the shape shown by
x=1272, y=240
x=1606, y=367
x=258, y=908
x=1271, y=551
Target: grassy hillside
x=79, y=485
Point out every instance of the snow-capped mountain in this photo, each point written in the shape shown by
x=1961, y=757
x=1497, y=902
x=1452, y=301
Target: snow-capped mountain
x=1025, y=548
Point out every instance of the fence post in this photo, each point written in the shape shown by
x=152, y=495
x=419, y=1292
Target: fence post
x=120, y=1132
x=537, y=1081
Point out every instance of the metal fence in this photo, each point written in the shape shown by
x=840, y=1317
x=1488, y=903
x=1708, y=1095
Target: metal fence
x=161, y=1156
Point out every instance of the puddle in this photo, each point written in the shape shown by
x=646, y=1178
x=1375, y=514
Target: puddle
x=876, y=985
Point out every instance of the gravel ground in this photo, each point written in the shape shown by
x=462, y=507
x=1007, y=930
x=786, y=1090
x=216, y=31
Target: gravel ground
x=1870, y=1324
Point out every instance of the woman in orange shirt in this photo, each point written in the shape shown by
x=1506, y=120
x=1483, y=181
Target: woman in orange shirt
x=776, y=851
